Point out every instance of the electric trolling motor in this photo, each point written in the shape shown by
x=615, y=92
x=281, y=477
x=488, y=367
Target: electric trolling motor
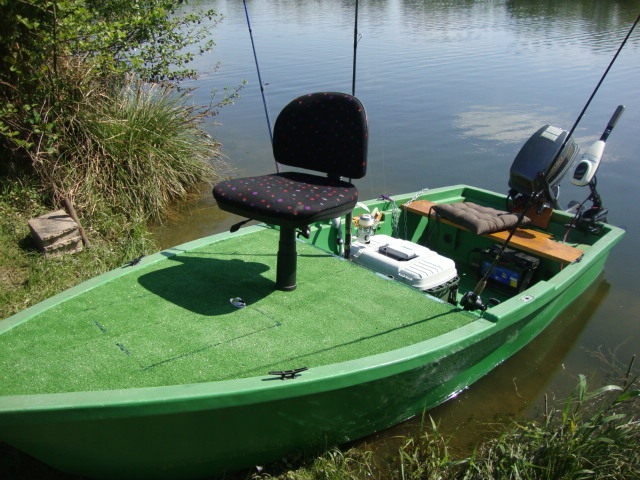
x=585, y=174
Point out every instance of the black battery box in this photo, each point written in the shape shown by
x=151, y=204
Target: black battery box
x=513, y=272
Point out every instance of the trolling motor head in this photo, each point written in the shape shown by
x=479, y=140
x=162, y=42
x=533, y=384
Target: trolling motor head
x=585, y=172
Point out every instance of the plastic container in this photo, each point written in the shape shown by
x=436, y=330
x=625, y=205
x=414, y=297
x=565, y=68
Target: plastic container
x=405, y=261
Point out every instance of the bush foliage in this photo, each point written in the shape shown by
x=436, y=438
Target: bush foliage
x=73, y=110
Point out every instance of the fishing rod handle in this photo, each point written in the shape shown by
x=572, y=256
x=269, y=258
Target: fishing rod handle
x=612, y=123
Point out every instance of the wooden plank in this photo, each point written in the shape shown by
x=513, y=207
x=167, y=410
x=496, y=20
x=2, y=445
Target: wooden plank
x=527, y=240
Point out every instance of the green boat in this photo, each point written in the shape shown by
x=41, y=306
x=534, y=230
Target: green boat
x=318, y=327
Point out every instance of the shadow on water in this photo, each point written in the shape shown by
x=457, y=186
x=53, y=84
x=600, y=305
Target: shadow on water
x=204, y=285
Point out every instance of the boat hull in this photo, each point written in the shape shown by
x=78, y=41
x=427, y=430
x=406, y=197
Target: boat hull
x=199, y=430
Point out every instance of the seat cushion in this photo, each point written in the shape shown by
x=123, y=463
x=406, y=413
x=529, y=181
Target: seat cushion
x=291, y=199
x=477, y=218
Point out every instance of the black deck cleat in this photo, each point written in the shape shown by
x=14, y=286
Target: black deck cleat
x=134, y=262
x=289, y=374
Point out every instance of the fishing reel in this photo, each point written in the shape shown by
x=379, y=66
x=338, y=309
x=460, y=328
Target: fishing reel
x=366, y=225
x=471, y=301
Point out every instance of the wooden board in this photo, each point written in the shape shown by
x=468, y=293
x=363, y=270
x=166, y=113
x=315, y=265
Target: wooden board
x=527, y=240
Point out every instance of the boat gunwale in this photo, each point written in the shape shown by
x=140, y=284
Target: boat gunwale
x=246, y=391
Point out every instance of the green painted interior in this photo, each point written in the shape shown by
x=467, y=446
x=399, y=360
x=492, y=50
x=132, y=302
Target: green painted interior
x=171, y=322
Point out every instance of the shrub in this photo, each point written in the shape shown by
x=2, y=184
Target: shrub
x=137, y=151
x=71, y=113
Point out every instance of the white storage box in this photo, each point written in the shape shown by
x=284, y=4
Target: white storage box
x=405, y=261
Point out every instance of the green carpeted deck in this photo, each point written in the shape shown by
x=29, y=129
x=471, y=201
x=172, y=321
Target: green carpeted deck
x=171, y=322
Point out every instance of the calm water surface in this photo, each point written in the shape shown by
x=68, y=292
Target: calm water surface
x=452, y=90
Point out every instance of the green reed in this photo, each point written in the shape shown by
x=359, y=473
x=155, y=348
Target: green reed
x=136, y=150
x=592, y=435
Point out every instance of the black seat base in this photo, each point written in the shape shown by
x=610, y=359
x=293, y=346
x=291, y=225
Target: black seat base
x=287, y=260
x=290, y=200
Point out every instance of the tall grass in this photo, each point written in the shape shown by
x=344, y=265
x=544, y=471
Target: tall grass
x=594, y=435
x=135, y=151
x=591, y=436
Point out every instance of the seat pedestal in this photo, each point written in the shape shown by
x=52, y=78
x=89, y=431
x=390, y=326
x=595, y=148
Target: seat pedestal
x=287, y=260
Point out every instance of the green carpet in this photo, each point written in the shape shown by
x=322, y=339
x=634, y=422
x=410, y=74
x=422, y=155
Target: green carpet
x=171, y=322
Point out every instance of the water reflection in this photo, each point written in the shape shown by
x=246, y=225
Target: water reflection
x=506, y=124
x=593, y=24
x=515, y=388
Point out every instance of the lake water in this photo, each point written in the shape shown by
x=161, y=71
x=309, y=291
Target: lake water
x=452, y=91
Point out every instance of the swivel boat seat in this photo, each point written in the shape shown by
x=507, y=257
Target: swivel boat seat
x=324, y=132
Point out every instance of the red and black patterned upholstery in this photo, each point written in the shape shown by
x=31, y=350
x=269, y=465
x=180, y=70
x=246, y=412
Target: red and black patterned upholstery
x=323, y=132
x=291, y=199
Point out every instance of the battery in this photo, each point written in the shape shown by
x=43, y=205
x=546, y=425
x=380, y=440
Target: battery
x=513, y=272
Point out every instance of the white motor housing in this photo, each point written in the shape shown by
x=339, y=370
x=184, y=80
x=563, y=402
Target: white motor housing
x=588, y=164
x=405, y=261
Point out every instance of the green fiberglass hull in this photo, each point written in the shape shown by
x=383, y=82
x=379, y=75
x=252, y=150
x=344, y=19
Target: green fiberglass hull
x=150, y=371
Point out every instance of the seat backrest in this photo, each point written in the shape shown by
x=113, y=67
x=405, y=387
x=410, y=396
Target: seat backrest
x=325, y=132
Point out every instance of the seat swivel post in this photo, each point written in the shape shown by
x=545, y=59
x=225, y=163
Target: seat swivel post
x=286, y=269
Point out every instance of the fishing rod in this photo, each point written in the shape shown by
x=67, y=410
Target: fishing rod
x=345, y=246
x=472, y=300
x=593, y=94
x=264, y=98
x=355, y=51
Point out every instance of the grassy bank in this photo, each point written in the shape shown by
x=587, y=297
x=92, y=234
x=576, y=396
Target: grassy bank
x=27, y=277
x=590, y=435
x=131, y=156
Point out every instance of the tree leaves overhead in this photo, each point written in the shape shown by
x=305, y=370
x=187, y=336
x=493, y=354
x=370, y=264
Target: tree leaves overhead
x=56, y=54
x=155, y=39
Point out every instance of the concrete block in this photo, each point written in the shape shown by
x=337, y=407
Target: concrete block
x=56, y=233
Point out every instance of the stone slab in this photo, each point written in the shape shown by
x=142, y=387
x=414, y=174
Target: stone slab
x=69, y=245
x=55, y=231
